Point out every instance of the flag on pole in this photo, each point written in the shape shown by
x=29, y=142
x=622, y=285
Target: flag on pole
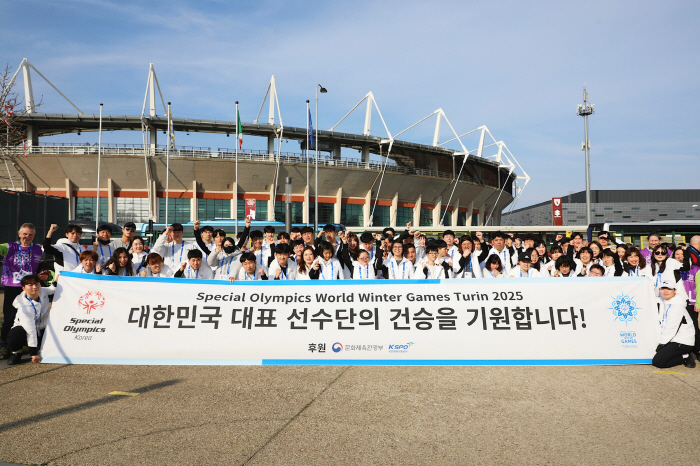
x=239, y=130
x=311, y=133
x=171, y=136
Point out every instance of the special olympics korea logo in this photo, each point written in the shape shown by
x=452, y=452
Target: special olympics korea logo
x=624, y=308
x=91, y=301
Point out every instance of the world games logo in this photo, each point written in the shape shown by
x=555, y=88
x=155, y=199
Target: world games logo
x=91, y=301
x=624, y=308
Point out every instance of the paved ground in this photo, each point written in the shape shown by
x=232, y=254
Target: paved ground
x=349, y=415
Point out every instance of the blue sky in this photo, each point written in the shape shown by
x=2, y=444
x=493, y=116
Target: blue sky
x=516, y=67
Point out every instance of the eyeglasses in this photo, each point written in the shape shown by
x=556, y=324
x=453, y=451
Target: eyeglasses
x=660, y=253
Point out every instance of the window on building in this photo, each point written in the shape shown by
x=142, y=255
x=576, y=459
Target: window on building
x=475, y=220
x=446, y=218
x=178, y=210
x=211, y=209
x=325, y=213
x=607, y=208
x=352, y=214
x=381, y=216
x=86, y=209
x=635, y=208
x=626, y=216
x=404, y=215
x=297, y=211
x=462, y=219
x=131, y=209
x=426, y=217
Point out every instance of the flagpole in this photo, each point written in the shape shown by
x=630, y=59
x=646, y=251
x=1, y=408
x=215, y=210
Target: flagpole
x=235, y=195
x=316, y=171
x=167, y=169
x=306, y=200
x=99, y=164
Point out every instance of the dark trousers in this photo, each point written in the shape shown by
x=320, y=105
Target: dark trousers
x=671, y=355
x=9, y=311
x=17, y=339
x=694, y=318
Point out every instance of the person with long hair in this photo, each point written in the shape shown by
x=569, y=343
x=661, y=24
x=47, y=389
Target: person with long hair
x=541, y=248
x=635, y=264
x=549, y=267
x=224, y=260
x=596, y=250
x=493, y=268
x=309, y=268
x=120, y=264
x=138, y=254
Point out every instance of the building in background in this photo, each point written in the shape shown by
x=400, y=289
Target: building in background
x=622, y=205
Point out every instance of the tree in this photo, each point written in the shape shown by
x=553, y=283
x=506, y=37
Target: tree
x=12, y=143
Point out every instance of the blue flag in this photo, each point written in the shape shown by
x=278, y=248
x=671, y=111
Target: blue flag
x=311, y=134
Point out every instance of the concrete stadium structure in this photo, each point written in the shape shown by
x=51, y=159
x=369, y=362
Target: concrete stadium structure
x=410, y=182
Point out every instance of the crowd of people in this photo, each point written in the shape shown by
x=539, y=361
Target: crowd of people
x=335, y=255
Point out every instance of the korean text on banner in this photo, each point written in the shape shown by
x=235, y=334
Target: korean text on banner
x=539, y=321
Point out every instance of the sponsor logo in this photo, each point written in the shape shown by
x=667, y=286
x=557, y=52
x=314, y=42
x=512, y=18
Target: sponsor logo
x=91, y=301
x=337, y=347
x=400, y=348
x=624, y=308
x=627, y=338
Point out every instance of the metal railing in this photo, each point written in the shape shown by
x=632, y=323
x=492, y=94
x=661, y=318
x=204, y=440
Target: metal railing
x=247, y=155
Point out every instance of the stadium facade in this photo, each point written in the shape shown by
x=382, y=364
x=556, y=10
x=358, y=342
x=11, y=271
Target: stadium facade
x=425, y=184
x=624, y=205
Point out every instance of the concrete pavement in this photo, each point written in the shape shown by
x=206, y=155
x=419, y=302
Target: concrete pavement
x=64, y=415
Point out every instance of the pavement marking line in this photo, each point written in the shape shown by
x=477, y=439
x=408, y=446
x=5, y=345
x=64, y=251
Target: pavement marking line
x=123, y=393
x=667, y=372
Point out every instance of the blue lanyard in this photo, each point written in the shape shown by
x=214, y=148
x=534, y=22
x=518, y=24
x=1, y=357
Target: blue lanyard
x=181, y=250
x=491, y=272
x=109, y=248
x=366, y=270
x=403, y=272
x=261, y=253
x=636, y=271
x=324, y=273
x=189, y=269
x=663, y=319
x=283, y=272
x=36, y=318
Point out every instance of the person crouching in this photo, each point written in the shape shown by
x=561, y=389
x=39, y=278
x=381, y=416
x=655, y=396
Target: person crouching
x=30, y=321
x=677, y=330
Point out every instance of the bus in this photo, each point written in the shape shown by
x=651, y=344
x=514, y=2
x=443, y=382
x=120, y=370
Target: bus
x=671, y=231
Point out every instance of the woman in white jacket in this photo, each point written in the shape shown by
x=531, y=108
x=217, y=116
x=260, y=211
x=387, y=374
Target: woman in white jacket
x=677, y=333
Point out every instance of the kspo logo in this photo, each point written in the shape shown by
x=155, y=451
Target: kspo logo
x=337, y=347
x=400, y=348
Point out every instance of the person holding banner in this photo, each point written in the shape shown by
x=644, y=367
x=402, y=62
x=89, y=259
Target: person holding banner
x=172, y=248
x=677, y=331
x=32, y=311
x=612, y=263
x=564, y=267
x=20, y=259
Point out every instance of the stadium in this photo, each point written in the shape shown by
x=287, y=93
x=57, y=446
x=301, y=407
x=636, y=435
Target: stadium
x=389, y=182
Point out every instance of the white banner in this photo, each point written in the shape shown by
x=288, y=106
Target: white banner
x=540, y=321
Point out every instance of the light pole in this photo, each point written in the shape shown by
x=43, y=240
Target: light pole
x=323, y=91
x=584, y=110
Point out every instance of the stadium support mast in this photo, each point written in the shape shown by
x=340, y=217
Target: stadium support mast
x=584, y=110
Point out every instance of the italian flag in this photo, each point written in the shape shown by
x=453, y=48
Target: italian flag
x=239, y=129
